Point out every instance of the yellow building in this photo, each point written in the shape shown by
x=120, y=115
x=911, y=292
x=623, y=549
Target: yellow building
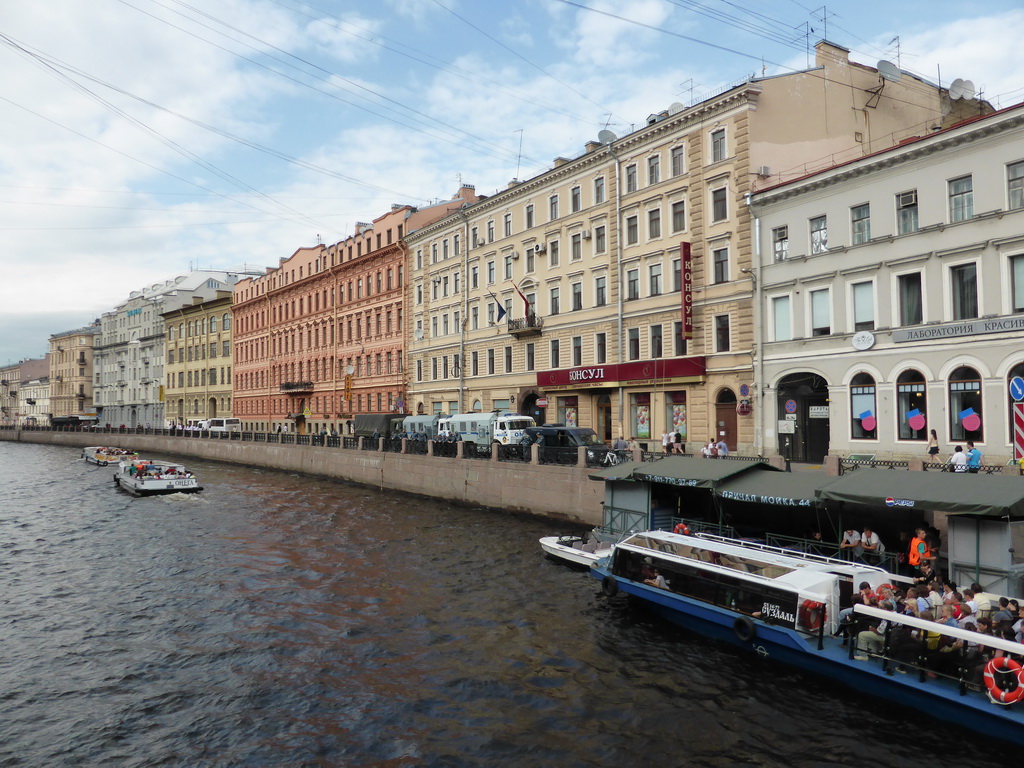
x=614, y=291
x=72, y=375
x=197, y=383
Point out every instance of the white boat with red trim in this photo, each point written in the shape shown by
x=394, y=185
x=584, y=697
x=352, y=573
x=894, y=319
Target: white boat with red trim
x=147, y=477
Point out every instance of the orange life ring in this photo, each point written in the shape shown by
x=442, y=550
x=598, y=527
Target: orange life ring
x=682, y=528
x=812, y=614
x=998, y=694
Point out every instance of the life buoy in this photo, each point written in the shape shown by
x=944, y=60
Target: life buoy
x=812, y=614
x=609, y=586
x=682, y=528
x=744, y=629
x=1004, y=665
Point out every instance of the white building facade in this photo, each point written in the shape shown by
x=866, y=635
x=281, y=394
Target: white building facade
x=891, y=299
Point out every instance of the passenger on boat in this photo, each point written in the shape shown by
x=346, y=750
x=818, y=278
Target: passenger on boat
x=851, y=542
x=871, y=547
x=935, y=596
x=653, y=578
x=872, y=639
x=967, y=615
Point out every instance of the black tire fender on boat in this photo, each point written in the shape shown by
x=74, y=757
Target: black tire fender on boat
x=744, y=629
x=609, y=586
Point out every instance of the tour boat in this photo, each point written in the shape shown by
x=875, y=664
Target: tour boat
x=145, y=477
x=784, y=605
x=103, y=455
x=575, y=550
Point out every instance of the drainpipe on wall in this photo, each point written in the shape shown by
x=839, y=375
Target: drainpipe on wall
x=618, y=259
x=465, y=308
x=755, y=276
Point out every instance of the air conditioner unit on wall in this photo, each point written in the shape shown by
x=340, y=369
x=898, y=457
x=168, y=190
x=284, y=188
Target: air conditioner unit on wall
x=514, y=256
x=908, y=198
x=764, y=170
x=587, y=234
x=540, y=248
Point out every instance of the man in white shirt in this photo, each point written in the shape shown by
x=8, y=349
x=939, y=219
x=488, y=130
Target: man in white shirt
x=851, y=541
x=871, y=548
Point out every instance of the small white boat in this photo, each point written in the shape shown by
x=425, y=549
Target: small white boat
x=575, y=549
x=145, y=477
x=102, y=455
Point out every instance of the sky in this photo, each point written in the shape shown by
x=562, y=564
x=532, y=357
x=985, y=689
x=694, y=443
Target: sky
x=140, y=139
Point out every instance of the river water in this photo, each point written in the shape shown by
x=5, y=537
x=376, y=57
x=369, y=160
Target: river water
x=281, y=620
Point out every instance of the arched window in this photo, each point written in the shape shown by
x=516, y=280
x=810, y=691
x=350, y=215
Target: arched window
x=227, y=321
x=863, y=413
x=213, y=324
x=911, y=406
x=965, y=405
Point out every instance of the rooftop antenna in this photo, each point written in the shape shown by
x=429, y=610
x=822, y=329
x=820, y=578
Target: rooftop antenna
x=896, y=40
x=519, y=157
x=688, y=85
x=824, y=20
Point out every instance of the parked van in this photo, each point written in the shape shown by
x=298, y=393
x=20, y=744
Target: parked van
x=503, y=427
x=425, y=426
x=221, y=425
x=561, y=436
x=384, y=424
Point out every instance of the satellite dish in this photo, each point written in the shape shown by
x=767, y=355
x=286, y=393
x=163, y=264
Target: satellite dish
x=419, y=334
x=889, y=71
x=675, y=108
x=969, y=91
x=606, y=137
x=957, y=89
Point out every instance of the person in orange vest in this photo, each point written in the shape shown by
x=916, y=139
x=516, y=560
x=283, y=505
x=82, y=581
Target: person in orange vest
x=919, y=551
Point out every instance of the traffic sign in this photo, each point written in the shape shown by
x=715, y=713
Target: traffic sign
x=1017, y=388
x=1018, y=430
x=791, y=406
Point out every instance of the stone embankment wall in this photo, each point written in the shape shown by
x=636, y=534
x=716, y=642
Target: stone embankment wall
x=549, y=491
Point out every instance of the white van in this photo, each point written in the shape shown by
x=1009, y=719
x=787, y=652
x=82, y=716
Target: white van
x=221, y=425
x=502, y=427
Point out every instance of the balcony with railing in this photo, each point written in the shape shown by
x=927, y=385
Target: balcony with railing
x=531, y=325
x=297, y=386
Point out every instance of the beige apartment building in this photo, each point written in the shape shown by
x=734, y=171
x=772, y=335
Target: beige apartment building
x=615, y=290
x=72, y=376
x=197, y=373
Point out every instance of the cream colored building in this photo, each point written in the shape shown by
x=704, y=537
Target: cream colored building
x=892, y=298
x=197, y=373
x=604, y=325
x=72, y=375
x=10, y=385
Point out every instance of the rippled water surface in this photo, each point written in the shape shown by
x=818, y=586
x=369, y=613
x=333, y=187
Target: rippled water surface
x=279, y=620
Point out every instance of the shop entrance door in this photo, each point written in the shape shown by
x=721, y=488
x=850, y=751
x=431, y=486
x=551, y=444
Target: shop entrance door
x=604, y=419
x=803, y=398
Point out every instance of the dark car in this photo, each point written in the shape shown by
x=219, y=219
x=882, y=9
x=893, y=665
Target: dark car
x=561, y=436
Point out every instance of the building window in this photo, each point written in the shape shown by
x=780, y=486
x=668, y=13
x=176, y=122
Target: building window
x=911, y=309
x=961, y=199
x=553, y=207
x=906, y=212
x=863, y=306
x=630, y=178
x=720, y=262
x=654, y=223
x=678, y=342
x=677, y=275
x=490, y=362
x=507, y=224
x=599, y=190
x=474, y=363
x=600, y=243
x=782, y=321
x=632, y=284
x=554, y=301
x=508, y=265
x=965, y=405
x=577, y=296
x=964, y=285
x=862, y=407
x=679, y=216
x=819, y=234
x=632, y=230
x=655, y=279
x=911, y=405
x=531, y=259
x=553, y=253
x=577, y=351
x=575, y=199
x=576, y=247
x=531, y=356
x=529, y=216
x=653, y=169
x=555, y=362
x=820, y=314
x=633, y=341
x=600, y=288
x=780, y=243
x=508, y=359
x=719, y=205
x=1015, y=185
x=656, y=341
x=600, y=348
x=722, y=340
x=1017, y=282
x=490, y=272
x=678, y=161
x=490, y=231
x=718, y=145
x=860, y=223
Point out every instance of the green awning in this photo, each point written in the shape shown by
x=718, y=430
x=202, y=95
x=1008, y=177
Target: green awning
x=785, y=489
x=687, y=471
x=949, y=492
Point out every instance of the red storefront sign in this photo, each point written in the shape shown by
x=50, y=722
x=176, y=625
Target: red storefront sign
x=686, y=265
x=676, y=370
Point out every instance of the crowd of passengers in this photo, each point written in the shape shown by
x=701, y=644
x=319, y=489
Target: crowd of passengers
x=145, y=471
x=934, y=600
